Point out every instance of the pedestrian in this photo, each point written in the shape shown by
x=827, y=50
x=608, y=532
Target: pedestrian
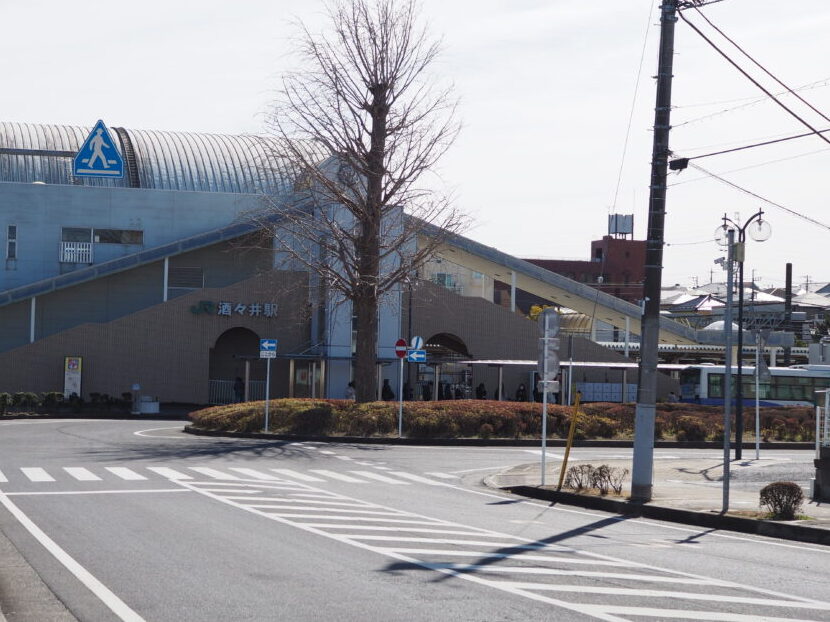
x=386, y=392
x=238, y=389
x=673, y=397
x=481, y=392
x=521, y=393
x=350, y=392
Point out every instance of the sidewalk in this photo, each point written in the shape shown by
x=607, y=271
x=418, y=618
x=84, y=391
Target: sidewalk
x=690, y=490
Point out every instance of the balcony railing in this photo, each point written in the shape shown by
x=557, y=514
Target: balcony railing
x=76, y=252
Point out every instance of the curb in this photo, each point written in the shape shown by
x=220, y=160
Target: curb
x=477, y=442
x=773, y=529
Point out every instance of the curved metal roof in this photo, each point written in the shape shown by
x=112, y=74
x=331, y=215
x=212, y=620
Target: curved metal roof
x=153, y=159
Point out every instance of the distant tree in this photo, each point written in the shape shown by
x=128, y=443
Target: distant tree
x=356, y=126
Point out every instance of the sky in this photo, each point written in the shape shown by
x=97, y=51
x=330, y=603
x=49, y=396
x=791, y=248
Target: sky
x=556, y=105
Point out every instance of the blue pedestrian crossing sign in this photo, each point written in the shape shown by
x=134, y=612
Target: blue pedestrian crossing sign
x=98, y=156
x=416, y=356
x=267, y=348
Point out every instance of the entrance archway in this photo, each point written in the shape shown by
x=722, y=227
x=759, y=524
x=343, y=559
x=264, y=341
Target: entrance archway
x=236, y=355
x=445, y=378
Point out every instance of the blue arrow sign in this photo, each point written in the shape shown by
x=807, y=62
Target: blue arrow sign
x=98, y=156
x=416, y=356
x=267, y=348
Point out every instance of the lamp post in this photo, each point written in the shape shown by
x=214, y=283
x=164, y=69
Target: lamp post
x=759, y=230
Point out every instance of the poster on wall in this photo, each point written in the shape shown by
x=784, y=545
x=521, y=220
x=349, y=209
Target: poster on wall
x=71, y=376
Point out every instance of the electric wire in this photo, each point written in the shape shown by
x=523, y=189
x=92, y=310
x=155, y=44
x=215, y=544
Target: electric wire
x=755, y=195
x=761, y=144
x=762, y=68
x=751, y=79
x=633, y=106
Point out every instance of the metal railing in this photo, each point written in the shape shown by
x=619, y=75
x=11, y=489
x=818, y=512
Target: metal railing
x=76, y=252
x=221, y=391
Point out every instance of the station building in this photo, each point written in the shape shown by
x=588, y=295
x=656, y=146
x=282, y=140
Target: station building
x=160, y=279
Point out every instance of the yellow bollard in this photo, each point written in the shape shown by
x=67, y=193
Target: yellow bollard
x=571, y=433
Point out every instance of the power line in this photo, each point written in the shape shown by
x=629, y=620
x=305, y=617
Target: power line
x=755, y=195
x=762, y=68
x=751, y=79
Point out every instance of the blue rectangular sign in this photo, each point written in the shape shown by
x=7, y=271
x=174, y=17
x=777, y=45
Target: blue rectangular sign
x=267, y=348
x=416, y=356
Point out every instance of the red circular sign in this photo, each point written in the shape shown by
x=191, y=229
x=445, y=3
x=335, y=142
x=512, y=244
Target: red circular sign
x=400, y=348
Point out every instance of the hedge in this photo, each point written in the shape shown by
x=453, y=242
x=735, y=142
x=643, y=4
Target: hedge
x=492, y=419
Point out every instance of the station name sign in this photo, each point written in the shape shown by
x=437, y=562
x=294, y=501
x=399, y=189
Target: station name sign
x=233, y=309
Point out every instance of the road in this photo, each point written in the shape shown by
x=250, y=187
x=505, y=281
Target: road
x=134, y=520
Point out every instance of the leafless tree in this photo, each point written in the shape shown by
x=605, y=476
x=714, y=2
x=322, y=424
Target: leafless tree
x=358, y=124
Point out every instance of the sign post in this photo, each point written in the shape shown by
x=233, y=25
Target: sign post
x=548, y=370
x=400, y=351
x=267, y=351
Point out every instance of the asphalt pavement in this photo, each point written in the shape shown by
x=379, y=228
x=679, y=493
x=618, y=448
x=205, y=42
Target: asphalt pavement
x=684, y=488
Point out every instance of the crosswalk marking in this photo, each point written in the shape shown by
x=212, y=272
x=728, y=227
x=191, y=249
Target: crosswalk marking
x=442, y=475
x=295, y=475
x=418, y=478
x=254, y=474
x=286, y=479
x=213, y=473
x=81, y=474
x=378, y=477
x=125, y=473
x=338, y=476
x=169, y=473
x=36, y=474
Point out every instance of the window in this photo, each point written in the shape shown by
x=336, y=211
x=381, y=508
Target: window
x=76, y=234
x=11, y=242
x=118, y=236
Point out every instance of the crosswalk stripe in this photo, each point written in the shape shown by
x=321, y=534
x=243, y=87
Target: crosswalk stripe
x=442, y=475
x=295, y=475
x=379, y=477
x=81, y=474
x=213, y=473
x=254, y=474
x=169, y=473
x=125, y=473
x=339, y=476
x=36, y=474
x=417, y=478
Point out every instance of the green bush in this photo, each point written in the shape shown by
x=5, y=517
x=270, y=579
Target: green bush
x=690, y=429
x=783, y=499
x=5, y=402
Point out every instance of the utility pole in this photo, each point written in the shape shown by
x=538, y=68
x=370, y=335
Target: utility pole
x=643, y=461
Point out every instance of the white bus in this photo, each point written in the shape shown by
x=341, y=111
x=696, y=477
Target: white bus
x=792, y=386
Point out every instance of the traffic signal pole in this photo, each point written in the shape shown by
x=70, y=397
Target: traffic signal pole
x=643, y=461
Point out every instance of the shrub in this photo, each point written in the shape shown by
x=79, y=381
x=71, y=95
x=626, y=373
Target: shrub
x=5, y=402
x=602, y=478
x=690, y=429
x=783, y=499
x=485, y=431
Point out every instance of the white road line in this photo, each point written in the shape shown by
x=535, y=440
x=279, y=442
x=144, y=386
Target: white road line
x=418, y=478
x=337, y=503
x=90, y=492
x=125, y=473
x=344, y=458
x=169, y=473
x=440, y=475
x=311, y=508
x=231, y=491
x=570, y=573
x=327, y=452
x=104, y=594
x=399, y=529
x=338, y=476
x=3, y=478
x=365, y=519
x=295, y=475
x=384, y=468
x=380, y=478
x=494, y=539
x=515, y=556
x=36, y=474
x=622, y=591
x=81, y=474
x=213, y=473
x=253, y=473
x=371, y=464
x=685, y=614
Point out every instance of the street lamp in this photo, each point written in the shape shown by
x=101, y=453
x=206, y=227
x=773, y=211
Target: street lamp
x=760, y=231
